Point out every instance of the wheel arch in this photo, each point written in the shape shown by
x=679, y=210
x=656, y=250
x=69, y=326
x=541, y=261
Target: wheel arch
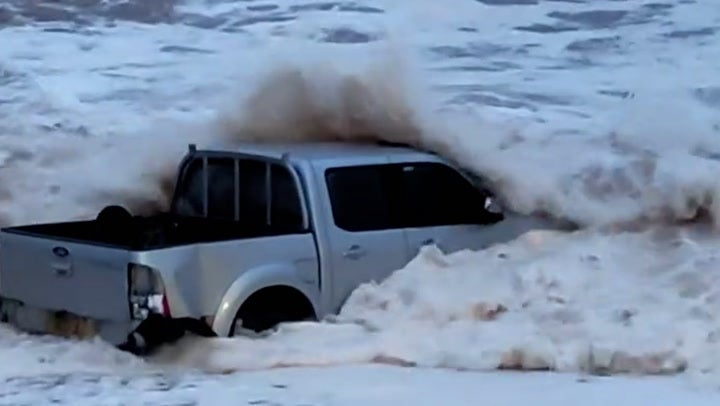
x=262, y=280
x=285, y=302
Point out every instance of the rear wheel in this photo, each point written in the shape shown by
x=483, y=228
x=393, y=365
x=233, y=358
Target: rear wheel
x=269, y=307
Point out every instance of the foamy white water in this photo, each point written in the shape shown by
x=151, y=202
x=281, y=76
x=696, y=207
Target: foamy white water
x=351, y=386
x=642, y=303
x=601, y=112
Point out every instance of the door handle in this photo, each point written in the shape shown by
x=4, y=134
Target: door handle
x=62, y=270
x=354, y=252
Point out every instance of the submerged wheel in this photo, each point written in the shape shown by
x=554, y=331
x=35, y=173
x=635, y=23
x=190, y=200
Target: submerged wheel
x=269, y=307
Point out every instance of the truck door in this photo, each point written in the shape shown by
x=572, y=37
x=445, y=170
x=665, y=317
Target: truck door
x=367, y=243
x=441, y=207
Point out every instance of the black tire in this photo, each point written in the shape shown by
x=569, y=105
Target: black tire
x=265, y=311
x=259, y=323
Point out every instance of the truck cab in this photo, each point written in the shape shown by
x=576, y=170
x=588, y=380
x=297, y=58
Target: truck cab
x=369, y=208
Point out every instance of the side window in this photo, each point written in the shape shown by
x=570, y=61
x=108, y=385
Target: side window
x=435, y=194
x=190, y=191
x=360, y=197
x=221, y=188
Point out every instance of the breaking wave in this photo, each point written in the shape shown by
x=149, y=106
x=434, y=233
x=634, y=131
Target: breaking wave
x=614, y=179
x=618, y=178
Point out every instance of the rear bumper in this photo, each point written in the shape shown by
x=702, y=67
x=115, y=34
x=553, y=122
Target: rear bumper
x=64, y=324
x=139, y=337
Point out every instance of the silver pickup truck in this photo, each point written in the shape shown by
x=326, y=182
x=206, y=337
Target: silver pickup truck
x=256, y=235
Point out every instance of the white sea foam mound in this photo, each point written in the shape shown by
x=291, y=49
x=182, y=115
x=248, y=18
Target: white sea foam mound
x=644, y=303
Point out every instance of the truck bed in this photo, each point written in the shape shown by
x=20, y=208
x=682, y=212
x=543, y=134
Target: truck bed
x=145, y=233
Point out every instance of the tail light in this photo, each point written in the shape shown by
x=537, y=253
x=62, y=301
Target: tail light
x=146, y=292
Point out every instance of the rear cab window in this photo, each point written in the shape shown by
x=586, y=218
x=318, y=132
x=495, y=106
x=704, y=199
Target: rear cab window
x=248, y=192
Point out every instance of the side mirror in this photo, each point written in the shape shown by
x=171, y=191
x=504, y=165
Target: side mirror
x=492, y=206
x=492, y=214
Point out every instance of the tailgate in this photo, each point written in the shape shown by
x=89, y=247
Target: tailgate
x=84, y=279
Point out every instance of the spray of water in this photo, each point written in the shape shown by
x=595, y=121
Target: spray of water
x=647, y=170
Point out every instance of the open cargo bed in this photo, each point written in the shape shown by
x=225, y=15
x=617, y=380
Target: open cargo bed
x=144, y=233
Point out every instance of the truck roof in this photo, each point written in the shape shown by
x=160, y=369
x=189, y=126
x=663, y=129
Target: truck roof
x=319, y=150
